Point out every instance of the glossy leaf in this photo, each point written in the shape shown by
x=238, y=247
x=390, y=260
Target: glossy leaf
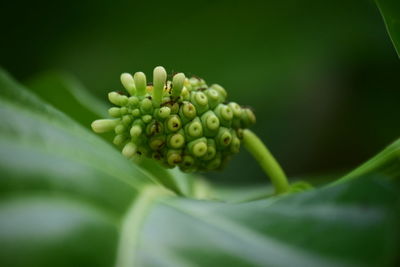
x=352, y=224
x=68, y=95
x=385, y=162
x=63, y=189
x=390, y=10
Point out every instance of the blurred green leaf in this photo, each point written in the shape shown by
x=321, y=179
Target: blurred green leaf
x=68, y=95
x=63, y=189
x=390, y=10
x=353, y=224
x=385, y=162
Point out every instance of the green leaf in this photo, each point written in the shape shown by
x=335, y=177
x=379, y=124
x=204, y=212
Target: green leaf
x=390, y=10
x=352, y=224
x=385, y=162
x=70, y=199
x=68, y=95
x=63, y=189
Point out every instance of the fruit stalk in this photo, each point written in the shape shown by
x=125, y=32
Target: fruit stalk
x=267, y=162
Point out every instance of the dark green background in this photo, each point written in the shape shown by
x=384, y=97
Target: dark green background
x=322, y=76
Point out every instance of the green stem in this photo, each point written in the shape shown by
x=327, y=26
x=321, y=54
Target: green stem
x=269, y=164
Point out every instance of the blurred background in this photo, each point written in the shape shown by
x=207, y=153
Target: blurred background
x=322, y=76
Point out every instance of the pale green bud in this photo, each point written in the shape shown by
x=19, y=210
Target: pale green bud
x=128, y=82
x=162, y=113
x=140, y=83
x=117, y=99
x=177, y=84
x=105, y=125
x=114, y=112
x=129, y=150
x=159, y=79
x=146, y=106
x=119, y=139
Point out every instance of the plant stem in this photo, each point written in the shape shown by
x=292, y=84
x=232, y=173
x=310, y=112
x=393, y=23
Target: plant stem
x=269, y=164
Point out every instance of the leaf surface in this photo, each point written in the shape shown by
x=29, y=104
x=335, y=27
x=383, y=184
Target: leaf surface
x=390, y=10
x=63, y=189
x=68, y=198
x=352, y=224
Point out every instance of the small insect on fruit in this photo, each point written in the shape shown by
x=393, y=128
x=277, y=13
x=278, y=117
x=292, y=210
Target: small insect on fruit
x=183, y=122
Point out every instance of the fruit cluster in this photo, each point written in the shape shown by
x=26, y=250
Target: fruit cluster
x=182, y=122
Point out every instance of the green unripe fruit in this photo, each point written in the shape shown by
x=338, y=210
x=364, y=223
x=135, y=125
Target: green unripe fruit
x=146, y=106
x=225, y=114
x=119, y=139
x=136, y=131
x=210, y=123
x=174, y=157
x=220, y=90
x=173, y=106
x=147, y=118
x=247, y=118
x=197, y=83
x=187, y=111
x=124, y=110
x=157, y=155
x=198, y=147
x=182, y=122
x=136, y=112
x=194, y=129
x=185, y=94
x=237, y=114
x=236, y=109
x=143, y=150
x=176, y=140
x=157, y=143
x=214, y=163
x=120, y=129
x=213, y=97
x=211, y=150
x=188, y=164
x=154, y=128
x=126, y=119
x=123, y=99
x=162, y=113
x=173, y=123
x=133, y=101
x=223, y=138
x=200, y=101
x=235, y=143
